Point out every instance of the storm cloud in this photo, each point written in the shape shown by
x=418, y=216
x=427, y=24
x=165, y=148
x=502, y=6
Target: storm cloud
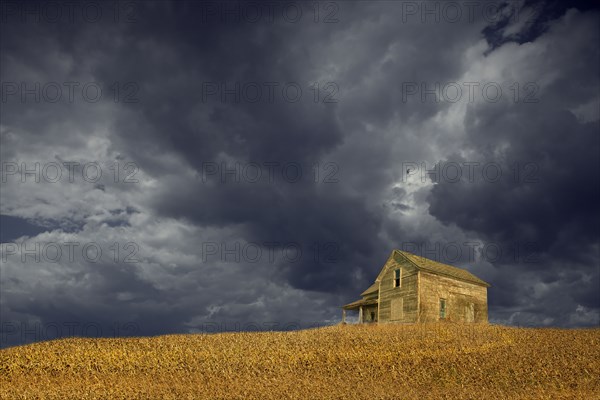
x=235, y=165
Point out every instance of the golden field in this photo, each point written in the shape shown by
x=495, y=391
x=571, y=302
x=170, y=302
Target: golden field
x=441, y=361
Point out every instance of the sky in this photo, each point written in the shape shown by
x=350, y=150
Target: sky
x=187, y=166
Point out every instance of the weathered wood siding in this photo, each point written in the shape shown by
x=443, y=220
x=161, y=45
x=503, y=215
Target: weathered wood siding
x=398, y=304
x=464, y=300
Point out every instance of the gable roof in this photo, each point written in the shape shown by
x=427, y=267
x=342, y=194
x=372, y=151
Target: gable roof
x=434, y=267
x=371, y=289
x=438, y=268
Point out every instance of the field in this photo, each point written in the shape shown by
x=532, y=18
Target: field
x=442, y=361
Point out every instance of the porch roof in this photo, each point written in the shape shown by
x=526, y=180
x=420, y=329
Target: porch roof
x=356, y=304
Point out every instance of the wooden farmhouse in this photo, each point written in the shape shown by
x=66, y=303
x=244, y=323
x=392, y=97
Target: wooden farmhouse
x=411, y=288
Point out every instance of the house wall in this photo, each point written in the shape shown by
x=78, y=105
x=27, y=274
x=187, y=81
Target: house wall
x=398, y=304
x=460, y=297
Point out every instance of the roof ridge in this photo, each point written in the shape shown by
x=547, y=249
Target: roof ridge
x=438, y=267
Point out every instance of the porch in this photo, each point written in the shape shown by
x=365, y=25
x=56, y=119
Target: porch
x=367, y=310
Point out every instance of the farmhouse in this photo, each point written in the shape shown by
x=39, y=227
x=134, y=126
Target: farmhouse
x=411, y=288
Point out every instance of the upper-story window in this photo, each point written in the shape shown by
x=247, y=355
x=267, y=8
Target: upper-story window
x=398, y=278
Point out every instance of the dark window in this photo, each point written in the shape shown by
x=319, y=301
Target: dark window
x=442, y=308
x=397, y=278
x=372, y=316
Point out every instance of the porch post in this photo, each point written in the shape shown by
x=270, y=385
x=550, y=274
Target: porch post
x=360, y=315
x=343, y=316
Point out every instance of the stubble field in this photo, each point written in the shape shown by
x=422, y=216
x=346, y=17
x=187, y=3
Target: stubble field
x=427, y=361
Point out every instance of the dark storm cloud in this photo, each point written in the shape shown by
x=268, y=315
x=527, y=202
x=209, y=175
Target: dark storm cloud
x=277, y=131
x=281, y=131
x=175, y=124
x=548, y=194
x=339, y=225
x=539, y=199
x=539, y=17
x=12, y=228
